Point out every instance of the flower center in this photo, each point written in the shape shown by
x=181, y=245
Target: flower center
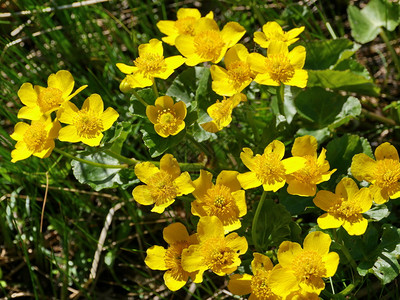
x=269, y=169
x=259, y=285
x=172, y=259
x=387, y=175
x=239, y=72
x=310, y=173
x=150, y=64
x=162, y=187
x=279, y=68
x=216, y=254
x=49, y=99
x=35, y=137
x=87, y=125
x=208, y=44
x=308, y=266
x=185, y=25
x=347, y=209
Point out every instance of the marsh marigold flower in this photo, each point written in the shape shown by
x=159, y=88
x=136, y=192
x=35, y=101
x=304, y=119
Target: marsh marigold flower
x=221, y=113
x=208, y=43
x=224, y=199
x=215, y=251
x=280, y=66
x=268, y=169
x=86, y=125
x=162, y=185
x=316, y=169
x=306, y=265
x=257, y=284
x=149, y=65
x=167, y=117
x=36, y=139
x=40, y=100
x=159, y=258
x=344, y=207
x=272, y=31
x=383, y=173
x=236, y=76
x=186, y=19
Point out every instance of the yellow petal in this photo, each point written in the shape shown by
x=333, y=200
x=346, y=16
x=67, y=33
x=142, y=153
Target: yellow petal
x=377, y=194
x=175, y=232
x=272, y=29
x=142, y=195
x=232, y=33
x=67, y=113
x=325, y=200
x=172, y=63
x=167, y=27
x=94, y=104
x=299, y=78
x=249, y=180
x=261, y=39
x=266, y=79
x=240, y=284
x=313, y=285
x=356, y=227
x=261, y=262
x=48, y=148
x=27, y=94
x=159, y=208
x=152, y=113
x=329, y=221
x=69, y=134
x=346, y=188
x=188, y=12
x=237, y=243
x=20, y=152
x=92, y=142
x=274, y=186
x=257, y=62
x=180, y=110
x=192, y=261
x=63, y=81
x=282, y=281
x=363, y=167
x=202, y=184
x=184, y=184
x=109, y=116
x=169, y=164
x=317, y=241
x=297, y=57
x=210, y=127
x=29, y=113
x=209, y=227
x=247, y=158
x=173, y=281
x=386, y=151
x=165, y=102
x=304, y=189
x=240, y=200
x=275, y=147
x=291, y=34
x=331, y=261
x=237, y=53
x=204, y=24
x=287, y=252
x=305, y=145
x=229, y=179
x=126, y=69
x=363, y=198
x=145, y=170
x=293, y=164
x=154, y=46
x=76, y=92
x=19, y=131
x=185, y=45
x=155, y=258
x=277, y=48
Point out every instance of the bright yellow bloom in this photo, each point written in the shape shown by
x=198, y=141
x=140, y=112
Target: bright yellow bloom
x=280, y=66
x=159, y=258
x=316, y=170
x=258, y=284
x=36, y=139
x=86, y=125
x=221, y=113
x=383, y=174
x=166, y=116
x=208, y=43
x=214, y=251
x=40, y=100
x=225, y=199
x=149, y=65
x=268, y=169
x=302, y=295
x=236, y=76
x=345, y=207
x=272, y=31
x=186, y=19
x=308, y=266
x=162, y=185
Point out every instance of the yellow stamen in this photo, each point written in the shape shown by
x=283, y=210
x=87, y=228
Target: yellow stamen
x=269, y=169
x=259, y=285
x=87, y=125
x=387, y=175
x=150, y=64
x=208, y=44
x=217, y=255
x=279, y=67
x=186, y=25
x=35, y=137
x=173, y=259
x=308, y=266
x=311, y=173
x=162, y=187
x=49, y=98
x=238, y=73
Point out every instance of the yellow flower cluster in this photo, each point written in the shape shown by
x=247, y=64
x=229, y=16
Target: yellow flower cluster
x=84, y=125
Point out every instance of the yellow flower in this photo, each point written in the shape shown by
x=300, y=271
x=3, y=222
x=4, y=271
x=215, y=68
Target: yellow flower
x=345, y=207
x=268, y=169
x=272, y=31
x=40, y=101
x=149, y=65
x=214, y=251
x=159, y=258
x=186, y=19
x=225, y=199
x=221, y=113
x=162, y=185
x=307, y=266
x=383, y=174
x=280, y=65
x=316, y=170
x=236, y=76
x=258, y=284
x=36, y=139
x=166, y=116
x=208, y=43
x=302, y=295
x=86, y=125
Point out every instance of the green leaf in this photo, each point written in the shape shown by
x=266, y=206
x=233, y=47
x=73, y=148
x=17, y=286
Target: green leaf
x=365, y=24
x=95, y=177
x=346, y=80
x=137, y=108
x=324, y=54
x=122, y=131
x=296, y=205
x=378, y=212
x=390, y=241
x=326, y=108
x=386, y=267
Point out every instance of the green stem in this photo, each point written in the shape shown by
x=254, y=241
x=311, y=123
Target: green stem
x=255, y=221
x=392, y=51
x=280, y=93
x=350, y=287
x=155, y=88
x=121, y=158
x=139, y=98
x=377, y=117
x=88, y=162
x=250, y=118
